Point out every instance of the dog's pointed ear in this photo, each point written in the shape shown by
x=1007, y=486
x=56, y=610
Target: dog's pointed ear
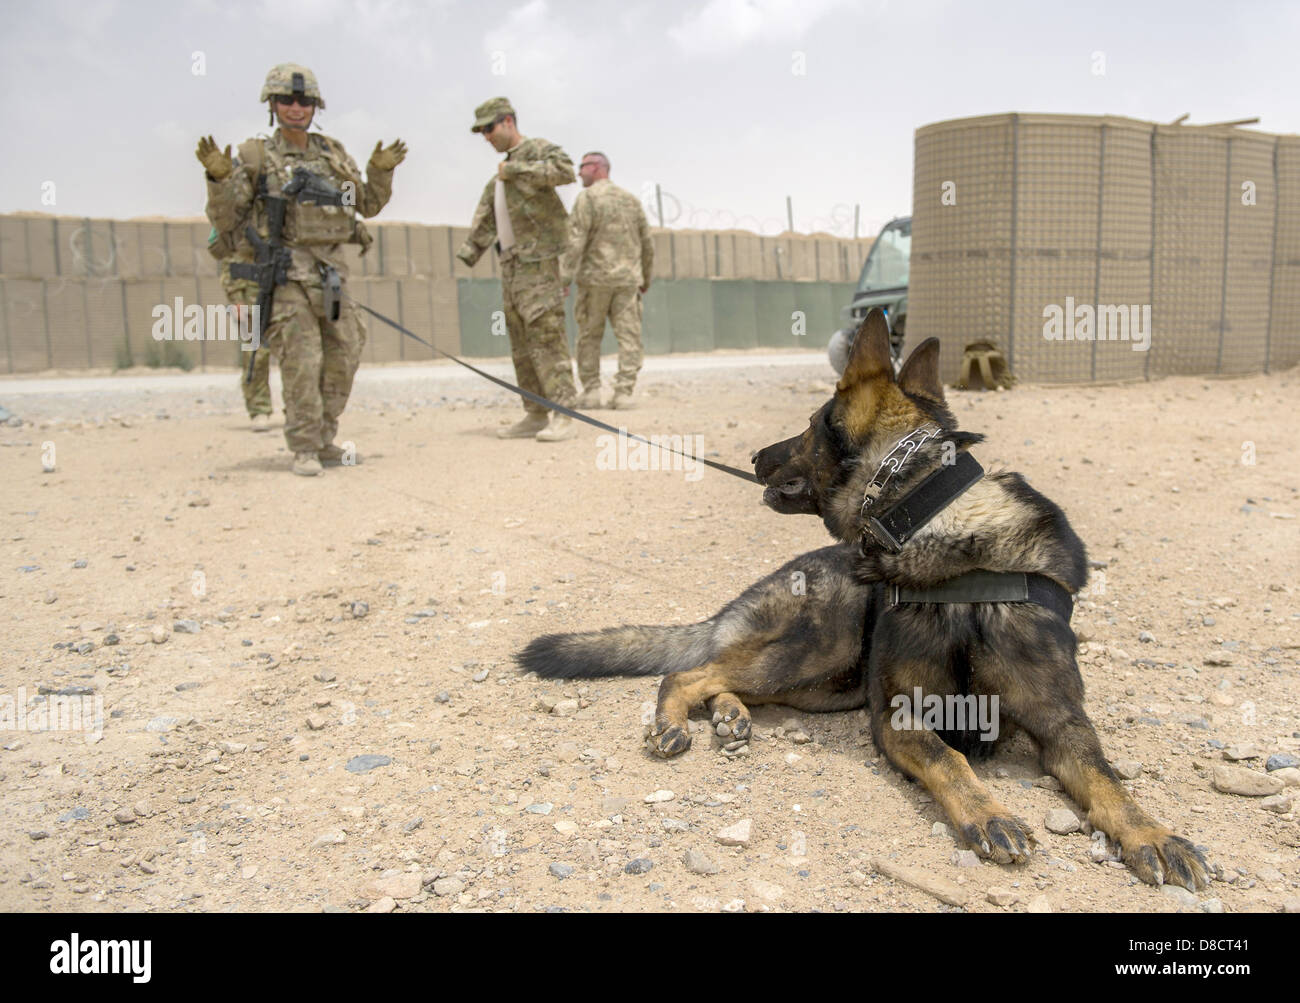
x=920, y=373
x=870, y=355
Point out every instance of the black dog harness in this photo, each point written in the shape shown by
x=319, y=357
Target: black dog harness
x=902, y=520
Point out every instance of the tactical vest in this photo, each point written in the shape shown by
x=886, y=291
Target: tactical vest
x=305, y=223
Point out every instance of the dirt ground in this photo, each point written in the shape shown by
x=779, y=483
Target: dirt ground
x=373, y=612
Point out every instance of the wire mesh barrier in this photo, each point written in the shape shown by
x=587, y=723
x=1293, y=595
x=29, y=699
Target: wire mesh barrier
x=84, y=293
x=1102, y=248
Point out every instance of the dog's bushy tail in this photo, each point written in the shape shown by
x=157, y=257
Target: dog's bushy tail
x=620, y=651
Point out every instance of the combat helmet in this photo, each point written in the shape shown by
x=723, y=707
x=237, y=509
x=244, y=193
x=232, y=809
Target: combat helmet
x=291, y=78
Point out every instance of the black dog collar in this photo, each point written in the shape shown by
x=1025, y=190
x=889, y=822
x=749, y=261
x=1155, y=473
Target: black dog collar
x=900, y=522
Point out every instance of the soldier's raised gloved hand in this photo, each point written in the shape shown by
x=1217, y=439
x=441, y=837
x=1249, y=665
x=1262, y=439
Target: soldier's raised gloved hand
x=216, y=162
x=385, y=158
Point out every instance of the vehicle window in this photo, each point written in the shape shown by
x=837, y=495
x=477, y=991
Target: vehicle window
x=886, y=265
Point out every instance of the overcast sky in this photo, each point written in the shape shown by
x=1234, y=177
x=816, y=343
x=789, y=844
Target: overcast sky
x=730, y=105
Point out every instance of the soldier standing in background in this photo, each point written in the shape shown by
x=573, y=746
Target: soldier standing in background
x=314, y=331
x=521, y=213
x=610, y=256
x=242, y=294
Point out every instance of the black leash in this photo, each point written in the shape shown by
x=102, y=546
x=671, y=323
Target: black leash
x=742, y=474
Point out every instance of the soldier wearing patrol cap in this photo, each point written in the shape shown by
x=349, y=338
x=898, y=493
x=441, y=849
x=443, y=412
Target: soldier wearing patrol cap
x=313, y=331
x=523, y=216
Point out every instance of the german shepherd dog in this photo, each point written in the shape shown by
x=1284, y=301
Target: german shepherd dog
x=844, y=642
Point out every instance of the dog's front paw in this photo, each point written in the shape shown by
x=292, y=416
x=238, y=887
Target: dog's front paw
x=1159, y=857
x=667, y=740
x=1003, y=839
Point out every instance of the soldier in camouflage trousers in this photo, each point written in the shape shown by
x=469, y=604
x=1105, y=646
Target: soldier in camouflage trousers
x=611, y=257
x=318, y=356
x=521, y=213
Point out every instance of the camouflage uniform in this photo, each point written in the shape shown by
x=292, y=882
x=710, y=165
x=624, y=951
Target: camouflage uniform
x=610, y=256
x=530, y=274
x=317, y=358
x=243, y=292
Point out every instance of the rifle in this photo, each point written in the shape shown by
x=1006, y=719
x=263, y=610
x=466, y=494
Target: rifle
x=308, y=187
x=271, y=268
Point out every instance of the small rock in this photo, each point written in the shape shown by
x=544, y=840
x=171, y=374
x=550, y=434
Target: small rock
x=737, y=834
x=1048, y=783
x=1212, y=905
x=940, y=829
x=1146, y=637
x=1281, y=761
x=412, y=824
x=561, y=871
x=1062, y=821
x=1280, y=803
x=331, y=837
x=1002, y=897
x=539, y=808
x=363, y=764
x=1289, y=775
x=232, y=748
x=1039, y=904
x=158, y=634
x=641, y=865
x=697, y=863
x=613, y=806
x=1240, y=750
x=124, y=816
x=1247, y=783
x=384, y=905
x=658, y=797
x=965, y=858
x=448, y=886
x=1127, y=769
x=799, y=737
x=186, y=626
x=75, y=815
x=315, y=722
x=565, y=708
x=1182, y=896
x=38, y=834
x=566, y=828
x=359, y=609
x=248, y=872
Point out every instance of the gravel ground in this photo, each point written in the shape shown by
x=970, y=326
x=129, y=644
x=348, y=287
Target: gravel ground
x=308, y=700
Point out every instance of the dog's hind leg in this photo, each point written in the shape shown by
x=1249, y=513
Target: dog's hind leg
x=990, y=829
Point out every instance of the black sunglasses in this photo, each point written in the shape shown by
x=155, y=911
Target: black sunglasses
x=302, y=99
x=487, y=129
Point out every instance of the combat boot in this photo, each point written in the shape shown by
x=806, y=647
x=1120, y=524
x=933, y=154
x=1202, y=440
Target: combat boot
x=623, y=401
x=560, y=428
x=525, y=428
x=306, y=464
x=590, y=397
x=261, y=423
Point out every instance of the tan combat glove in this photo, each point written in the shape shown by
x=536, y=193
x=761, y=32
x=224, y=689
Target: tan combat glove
x=215, y=162
x=386, y=158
